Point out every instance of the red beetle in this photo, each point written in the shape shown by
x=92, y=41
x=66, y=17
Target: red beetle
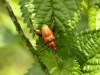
x=48, y=37
x=47, y=34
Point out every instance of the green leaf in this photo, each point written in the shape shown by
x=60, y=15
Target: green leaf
x=94, y=13
x=7, y=37
x=66, y=14
x=70, y=67
x=35, y=70
x=86, y=51
x=48, y=58
x=92, y=66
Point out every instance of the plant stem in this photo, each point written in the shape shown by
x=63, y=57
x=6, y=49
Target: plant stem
x=24, y=38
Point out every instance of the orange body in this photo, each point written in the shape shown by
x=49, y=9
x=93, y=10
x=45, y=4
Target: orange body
x=47, y=34
x=48, y=37
x=53, y=46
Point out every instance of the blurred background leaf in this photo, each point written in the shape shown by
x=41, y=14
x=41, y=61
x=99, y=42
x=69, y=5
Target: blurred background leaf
x=15, y=58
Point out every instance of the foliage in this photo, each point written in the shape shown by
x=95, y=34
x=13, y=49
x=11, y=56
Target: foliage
x=15, y=58
x=79, y=53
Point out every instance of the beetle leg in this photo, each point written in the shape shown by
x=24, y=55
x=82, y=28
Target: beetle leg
x=44, y=49
x=36, y=32
x=59, y=47
x=51, y=16
x=38, y=43
x=53, y=26
x=58, y=34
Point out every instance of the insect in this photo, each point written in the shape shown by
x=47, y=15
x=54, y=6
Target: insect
x=48, y=36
